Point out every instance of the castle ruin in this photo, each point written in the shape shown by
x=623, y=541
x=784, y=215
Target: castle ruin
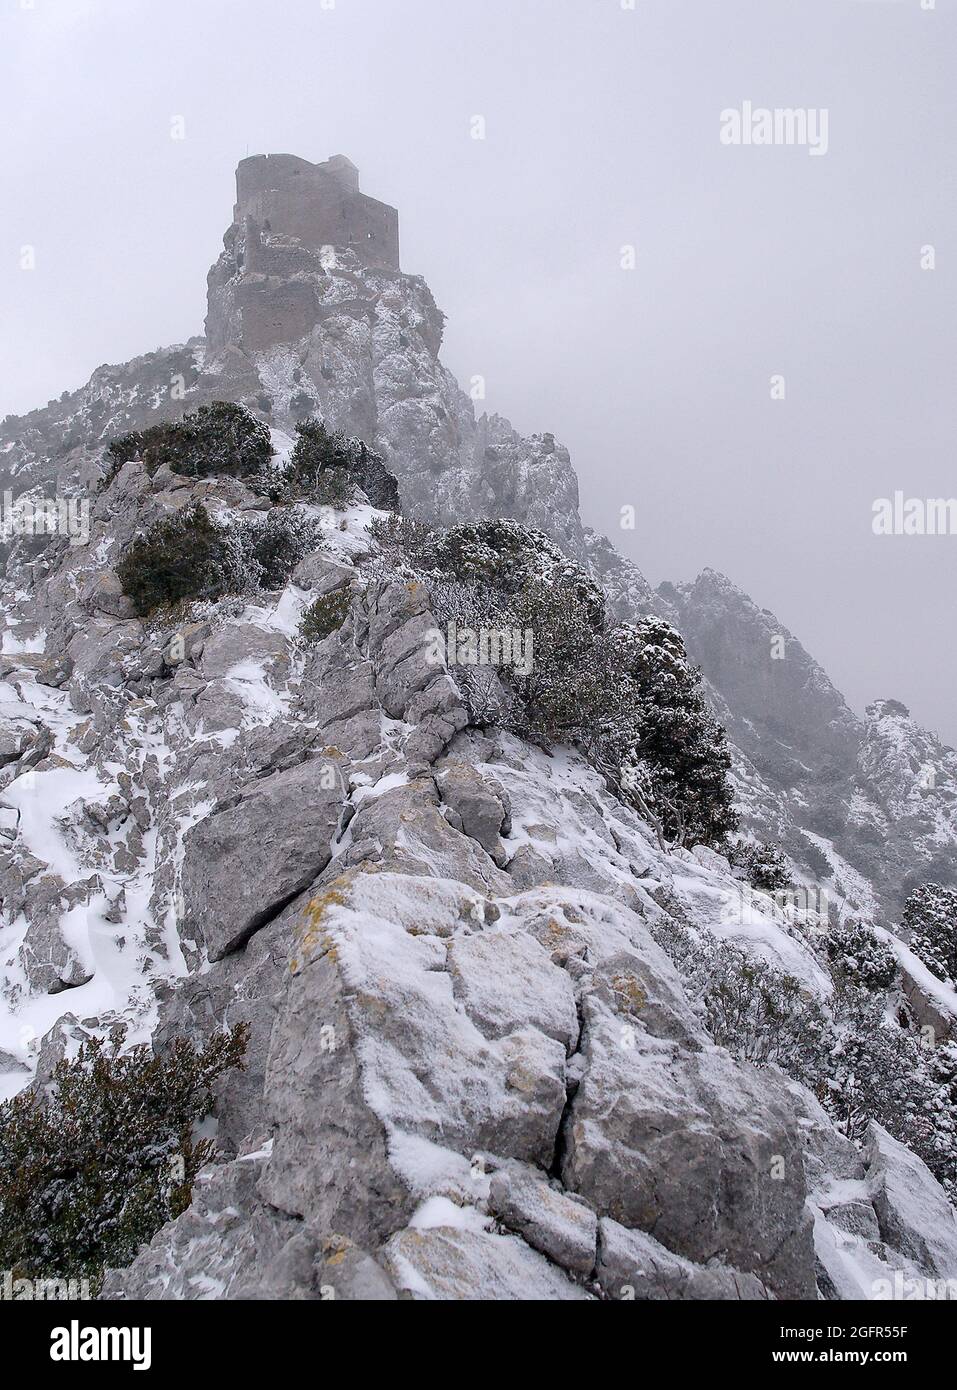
x=318, y=204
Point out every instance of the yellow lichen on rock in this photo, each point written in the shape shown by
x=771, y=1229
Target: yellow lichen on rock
x=314, y=939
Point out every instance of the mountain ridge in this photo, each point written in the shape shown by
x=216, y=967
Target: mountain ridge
x=493, y=1044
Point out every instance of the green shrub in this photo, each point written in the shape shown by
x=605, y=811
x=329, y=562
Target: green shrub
x=668, y=734
x=92, y=1171
x=333, y=488
x=859, y=957
x=220, y=439
x=188, y=557
x=327, y=468
x=181, y=557
x=401, y=539
x=267, y=550
x=763, y=1015
x=764, y=865
x=931, y=917
x=325, y=616
x=878, y=1071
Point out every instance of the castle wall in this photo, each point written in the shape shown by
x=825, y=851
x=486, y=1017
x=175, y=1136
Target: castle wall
x=319, y=204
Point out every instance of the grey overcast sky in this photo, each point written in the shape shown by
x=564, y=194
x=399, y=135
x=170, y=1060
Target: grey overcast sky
x=603, y=127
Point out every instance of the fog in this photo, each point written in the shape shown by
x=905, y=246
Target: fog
x=603, y=131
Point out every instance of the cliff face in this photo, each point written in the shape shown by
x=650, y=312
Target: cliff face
x=479, y=1066
x=781, y=700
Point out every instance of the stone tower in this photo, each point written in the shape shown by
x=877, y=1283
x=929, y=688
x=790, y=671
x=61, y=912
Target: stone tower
x=318, y=204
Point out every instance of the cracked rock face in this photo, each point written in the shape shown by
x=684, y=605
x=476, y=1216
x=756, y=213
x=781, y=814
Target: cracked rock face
x=281, y=832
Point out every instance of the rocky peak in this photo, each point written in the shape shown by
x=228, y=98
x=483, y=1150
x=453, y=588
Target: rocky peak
x=912, y=772
x=778, y=694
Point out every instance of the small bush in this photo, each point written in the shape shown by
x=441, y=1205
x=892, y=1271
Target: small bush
x=859, y=957
x=400, y=539
x=269, y=549
x=762, y=1015
x=181, y=557
x=92, y=1171
x=333, y=488
x=931, y=917
x=188, y=557
x=766, y=867
x=327, y=468
x=325, y=616
x=220, y=439
x=878, y=1071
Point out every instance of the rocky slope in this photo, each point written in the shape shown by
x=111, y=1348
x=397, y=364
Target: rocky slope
x=875, y=796
x=475, y=1070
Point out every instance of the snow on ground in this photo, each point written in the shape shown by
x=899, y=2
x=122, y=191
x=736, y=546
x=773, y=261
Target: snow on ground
x=34, y=805
x=942, y=995
x=40, y=798
x=250, y=681
x=559, y=806
x=12, y=645
x=853, y=893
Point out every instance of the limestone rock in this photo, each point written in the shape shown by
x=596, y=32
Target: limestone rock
x=479, y=806
x=550, y=1221
x=504, y=979
x=473, y=1266
x=912, y=1209
x=658, y=1129
x=634, y=1266
x=281, y=834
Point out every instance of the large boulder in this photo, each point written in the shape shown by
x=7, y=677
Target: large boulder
x=913, y=1212
x=244, y=864
x=692, y=1146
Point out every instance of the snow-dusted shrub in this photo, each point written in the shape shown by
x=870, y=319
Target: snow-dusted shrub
x=942, y=1068
x=857, y=955
x=878, y=1071
x=91, y=1171
x=400, y=541
x=626, y=696
x=765, y=866
x=677, y=744
x=691, y=949
x=188, y=556
x=268, y=549
x=326, y=467
x=763, y=1015
x=181, y=557
x=881, y=1071
x=759, y=1014
x=326, y=616
x=220, y=439
x=512, y=559
x=931, y=918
